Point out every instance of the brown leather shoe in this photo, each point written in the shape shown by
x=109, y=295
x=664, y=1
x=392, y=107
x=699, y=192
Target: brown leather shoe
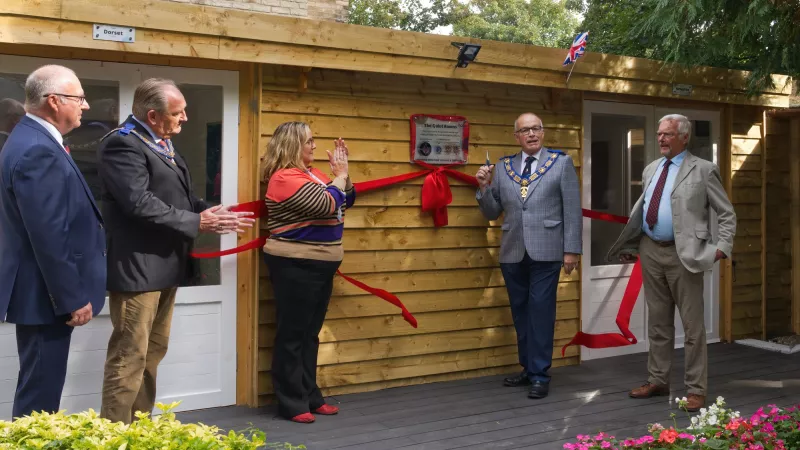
x=694, y=402
x=649, y=390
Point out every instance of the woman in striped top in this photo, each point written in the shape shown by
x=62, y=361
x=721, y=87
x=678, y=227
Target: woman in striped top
x=305, y=221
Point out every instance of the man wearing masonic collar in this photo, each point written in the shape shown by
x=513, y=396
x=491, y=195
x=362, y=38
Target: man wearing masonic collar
x=538, y=192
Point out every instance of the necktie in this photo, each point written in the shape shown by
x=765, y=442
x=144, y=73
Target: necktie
x=167, y=152
x=527, y=171
x=66, y=149
x=652, y=211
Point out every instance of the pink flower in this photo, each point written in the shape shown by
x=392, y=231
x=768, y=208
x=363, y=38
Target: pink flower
x=686, y=436
x=605, y=444
x=645, y=440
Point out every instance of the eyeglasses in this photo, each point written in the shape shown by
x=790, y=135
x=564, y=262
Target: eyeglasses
x=666, y=135
x=80, y=98
x=526, y=130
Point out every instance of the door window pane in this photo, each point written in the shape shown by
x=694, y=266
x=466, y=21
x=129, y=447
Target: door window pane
x=102, y=117
x=200, y=145
x=700, y=143
x=12, y=97
x=618, y=158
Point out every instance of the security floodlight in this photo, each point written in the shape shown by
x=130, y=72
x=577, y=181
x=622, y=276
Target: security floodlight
x=467, y=53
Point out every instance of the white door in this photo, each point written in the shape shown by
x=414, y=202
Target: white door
x=200, y=366
x=703, y=143
x=616, y=149
x=619, y=141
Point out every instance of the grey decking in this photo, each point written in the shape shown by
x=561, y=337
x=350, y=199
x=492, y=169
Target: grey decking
x=482, y=414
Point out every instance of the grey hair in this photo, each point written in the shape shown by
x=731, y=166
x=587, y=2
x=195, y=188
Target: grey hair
x=684, y=125
x=151, y=95
x=42, y=81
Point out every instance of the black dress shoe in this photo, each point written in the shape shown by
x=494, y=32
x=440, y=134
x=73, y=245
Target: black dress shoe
x=539, y=389
x=519, y=380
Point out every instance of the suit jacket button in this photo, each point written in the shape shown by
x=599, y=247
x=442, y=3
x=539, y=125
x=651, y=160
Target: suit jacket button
x=104, y=253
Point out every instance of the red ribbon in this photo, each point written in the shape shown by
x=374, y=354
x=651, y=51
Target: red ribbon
x=436, y=195
x=388, y=296
x=259, y=209
x=624, y=337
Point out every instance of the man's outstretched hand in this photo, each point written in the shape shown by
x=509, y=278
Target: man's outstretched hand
x=221, y=220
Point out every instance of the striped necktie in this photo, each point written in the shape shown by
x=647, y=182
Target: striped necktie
x=167, y=152
x=652, y=210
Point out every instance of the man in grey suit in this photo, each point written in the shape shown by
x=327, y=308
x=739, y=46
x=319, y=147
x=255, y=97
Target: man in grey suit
x=539, y=194
x=672, y=237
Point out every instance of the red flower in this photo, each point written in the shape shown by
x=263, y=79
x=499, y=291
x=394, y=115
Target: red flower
x=668, y=436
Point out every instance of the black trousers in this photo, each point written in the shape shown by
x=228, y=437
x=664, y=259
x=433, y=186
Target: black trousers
x=43, y=352
x=302, y=293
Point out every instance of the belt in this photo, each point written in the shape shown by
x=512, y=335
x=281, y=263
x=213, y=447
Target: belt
x=663, y=243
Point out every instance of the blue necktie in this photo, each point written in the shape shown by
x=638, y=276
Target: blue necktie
x=527, y=171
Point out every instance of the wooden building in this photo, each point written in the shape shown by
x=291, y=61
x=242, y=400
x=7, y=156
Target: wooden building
x=245, y=72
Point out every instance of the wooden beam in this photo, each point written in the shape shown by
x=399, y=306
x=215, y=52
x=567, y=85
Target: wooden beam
x=763, y=225
x=195, y=19
x=794, y=215
x=69, y=33
x=247, y=263
x=726, y=269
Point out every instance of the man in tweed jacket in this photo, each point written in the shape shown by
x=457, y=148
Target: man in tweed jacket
x=538, y=192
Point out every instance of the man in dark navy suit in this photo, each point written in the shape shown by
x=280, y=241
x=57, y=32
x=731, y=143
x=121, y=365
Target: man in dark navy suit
x=53, y=268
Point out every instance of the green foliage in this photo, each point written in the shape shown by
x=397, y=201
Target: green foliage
x=87, y=431
x=761, y=36
x=610, y=22
x=547, y=23
x=408, y=15
x=540, y=22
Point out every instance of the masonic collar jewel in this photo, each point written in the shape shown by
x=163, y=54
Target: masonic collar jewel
x=524, y=182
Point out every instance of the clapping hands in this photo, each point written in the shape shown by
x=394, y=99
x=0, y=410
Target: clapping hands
x=222, y=220
x=338, y=159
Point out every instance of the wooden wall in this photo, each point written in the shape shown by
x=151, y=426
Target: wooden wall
x=747, y=165
x=778, y=303
x=449, y=277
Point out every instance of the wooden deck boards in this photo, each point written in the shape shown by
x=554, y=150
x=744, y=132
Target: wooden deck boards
x=482, y=414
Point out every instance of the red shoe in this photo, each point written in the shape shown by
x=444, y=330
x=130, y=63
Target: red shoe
x=327, y=410
x=303, y=418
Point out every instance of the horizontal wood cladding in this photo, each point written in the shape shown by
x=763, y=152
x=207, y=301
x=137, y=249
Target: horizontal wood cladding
x=747, y=164
x=170, y=28
x=778, y=306
x=448, y=277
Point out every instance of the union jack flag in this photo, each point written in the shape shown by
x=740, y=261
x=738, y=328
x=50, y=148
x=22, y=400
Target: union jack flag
x=577, y=49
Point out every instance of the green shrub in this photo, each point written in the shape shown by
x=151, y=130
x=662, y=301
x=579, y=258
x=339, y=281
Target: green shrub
x=87, y=431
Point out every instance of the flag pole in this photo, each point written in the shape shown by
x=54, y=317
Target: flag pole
x=570, y=71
